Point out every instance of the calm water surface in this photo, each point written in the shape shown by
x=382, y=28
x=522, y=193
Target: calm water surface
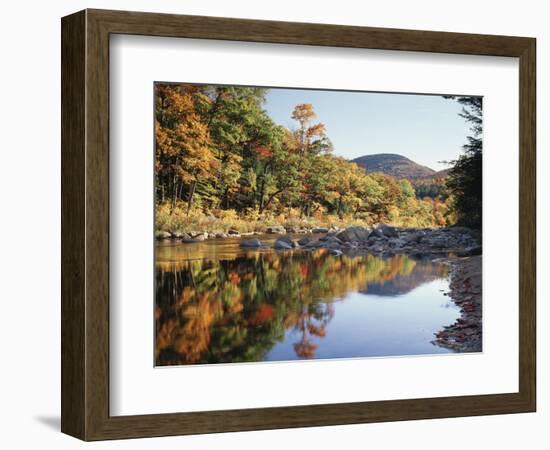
x=218, y=303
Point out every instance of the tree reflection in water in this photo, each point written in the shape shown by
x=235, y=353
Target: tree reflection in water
x=236, y=310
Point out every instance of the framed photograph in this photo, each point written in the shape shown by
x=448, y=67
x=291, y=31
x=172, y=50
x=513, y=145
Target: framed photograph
x=271, y=225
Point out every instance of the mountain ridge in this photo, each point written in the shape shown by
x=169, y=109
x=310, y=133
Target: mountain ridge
x=398, y=166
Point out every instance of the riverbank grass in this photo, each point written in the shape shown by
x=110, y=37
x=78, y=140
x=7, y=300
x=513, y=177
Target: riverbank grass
x=178, y=220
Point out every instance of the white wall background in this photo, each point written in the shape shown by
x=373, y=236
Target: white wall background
x=30, y=221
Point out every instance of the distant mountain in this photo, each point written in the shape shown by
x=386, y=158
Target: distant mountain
x=397, y=166
x=441, y=174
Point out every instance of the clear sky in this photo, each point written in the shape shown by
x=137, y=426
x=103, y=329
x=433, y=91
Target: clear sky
x=424, y=128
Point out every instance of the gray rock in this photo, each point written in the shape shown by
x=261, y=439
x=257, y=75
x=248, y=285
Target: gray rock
x=251, y=243
x=233, y=232
x=282, y=245
x=376, y=234
x=396, y=243
x=457, y=229
x=221, y=235
x=471, y=251
x=415, y=238
x=439, y=240
x=353, y=234
x=336, y=252
x=333, y=240
x=288, y=240
x=162, y=235
x=276, y=229
x=304, y=241
x=320, y=230
x=332, y=245
x=388, y=230
x=314, y=244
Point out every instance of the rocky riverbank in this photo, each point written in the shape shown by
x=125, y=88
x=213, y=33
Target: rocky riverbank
x=465, y=335
x=199, y=236
x=459, y=247
x=384, y=240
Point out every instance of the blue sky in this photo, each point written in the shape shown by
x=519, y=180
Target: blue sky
x=424, y=128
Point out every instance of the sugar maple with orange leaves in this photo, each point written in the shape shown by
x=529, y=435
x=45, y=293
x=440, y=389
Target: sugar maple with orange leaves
x=183, y=144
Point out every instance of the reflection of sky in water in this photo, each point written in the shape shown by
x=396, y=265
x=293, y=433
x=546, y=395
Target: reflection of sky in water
x=374, y=325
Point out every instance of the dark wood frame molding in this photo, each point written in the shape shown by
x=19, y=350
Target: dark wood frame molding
x=85, y=224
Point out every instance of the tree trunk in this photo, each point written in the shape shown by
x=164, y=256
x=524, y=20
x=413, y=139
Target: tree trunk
x=225, y=198
x=271, y=197
x=191, y=194
x=262, y=189
x=174, y=195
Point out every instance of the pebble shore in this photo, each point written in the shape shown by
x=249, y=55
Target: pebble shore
x=465, y=335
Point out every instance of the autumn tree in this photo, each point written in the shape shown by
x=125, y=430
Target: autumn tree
x=183, y=143
x=234, y=119
x=311, y=138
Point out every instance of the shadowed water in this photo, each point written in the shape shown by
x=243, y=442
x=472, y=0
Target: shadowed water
x=217, y=303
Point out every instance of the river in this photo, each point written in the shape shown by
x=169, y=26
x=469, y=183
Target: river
x=218, y=303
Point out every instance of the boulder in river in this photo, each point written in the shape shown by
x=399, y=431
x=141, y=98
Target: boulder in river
x=198, y=234
x=289, y=241
x=333, y=244
x=388, y=231
x=177, y=235
x=191, y=240
x=304, y=241
x=282, y=245
x=320, y=230
x=415, y=237
x=251, y=243
x=314, y=244
x=353, y=234
x=160, y=235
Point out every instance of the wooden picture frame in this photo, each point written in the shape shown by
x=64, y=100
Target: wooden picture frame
x=85, y=224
